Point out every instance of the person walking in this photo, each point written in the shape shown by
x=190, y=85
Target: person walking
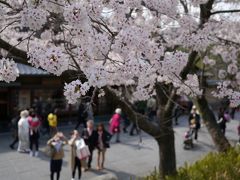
x=103, y=139
x=151, y=108
x=115, y=124
x=194, y=122
x=82, y=115
x=223, y=118
x=14, y=124
x=23, y=132
x=56, y=144
x=90, y=137
x=52, y=121
x=34, y=124
x=74, y=142
x=134, y=128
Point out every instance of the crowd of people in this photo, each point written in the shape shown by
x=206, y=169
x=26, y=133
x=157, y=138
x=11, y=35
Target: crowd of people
x=82, y=141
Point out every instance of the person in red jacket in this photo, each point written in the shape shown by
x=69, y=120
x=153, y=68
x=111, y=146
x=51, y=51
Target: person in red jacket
x=115, y=124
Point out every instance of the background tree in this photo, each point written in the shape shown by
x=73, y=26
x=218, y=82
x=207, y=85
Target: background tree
x=144, y=47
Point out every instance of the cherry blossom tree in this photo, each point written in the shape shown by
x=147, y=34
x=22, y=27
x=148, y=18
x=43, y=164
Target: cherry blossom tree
x=130, y=50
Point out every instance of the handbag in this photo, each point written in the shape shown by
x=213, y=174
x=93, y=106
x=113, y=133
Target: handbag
x=82, y=150
x=49, y=151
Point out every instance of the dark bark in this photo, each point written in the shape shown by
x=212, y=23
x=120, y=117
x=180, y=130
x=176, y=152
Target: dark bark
x=208, y=116
x=18, y=54
x=167, y=164
x=166, y=142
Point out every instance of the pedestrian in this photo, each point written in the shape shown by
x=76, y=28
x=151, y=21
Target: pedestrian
x=82, y=115
x=223, y=118
x=37, y=105
x=56, y=143
x=115, y=124
x=14, y=124
x=194, y=121
x=126, y=123
x=34, y=124
x=102, y=144
x=178, y=111
x=90, y=137
x=134, y=128
x=47, y=110
x=52, y=121
x=23, y=132
x=74, y=142
x=151, y=108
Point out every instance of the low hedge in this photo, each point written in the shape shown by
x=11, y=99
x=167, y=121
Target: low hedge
x=214, y=166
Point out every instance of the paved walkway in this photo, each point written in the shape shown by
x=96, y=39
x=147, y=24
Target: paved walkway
x=127, y=159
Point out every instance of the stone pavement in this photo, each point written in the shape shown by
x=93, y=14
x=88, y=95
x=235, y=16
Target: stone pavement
x=127, y=159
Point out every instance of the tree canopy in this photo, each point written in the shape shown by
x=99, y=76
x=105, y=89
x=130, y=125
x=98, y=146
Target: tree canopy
x=133, y=43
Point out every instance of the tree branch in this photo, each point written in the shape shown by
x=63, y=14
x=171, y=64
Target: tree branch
x=143, y=121
x=21, y=56
x=5, y=3
x=225, y=11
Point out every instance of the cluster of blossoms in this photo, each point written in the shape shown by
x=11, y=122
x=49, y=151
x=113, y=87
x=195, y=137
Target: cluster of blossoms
x=126, y=42
x=209, y=62
x=33, y=18
x=74, y=90
x=171, y=66
x=8, y=70
x=190, y=86
x=53, y=59
x=224, y=90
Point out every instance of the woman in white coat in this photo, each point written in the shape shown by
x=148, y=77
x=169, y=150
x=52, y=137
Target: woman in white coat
x=23, y=132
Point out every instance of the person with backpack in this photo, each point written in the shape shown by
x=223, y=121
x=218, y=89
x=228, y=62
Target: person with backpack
x=57, y=153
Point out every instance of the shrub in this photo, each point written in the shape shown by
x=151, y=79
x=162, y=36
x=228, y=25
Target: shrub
x=214, y=166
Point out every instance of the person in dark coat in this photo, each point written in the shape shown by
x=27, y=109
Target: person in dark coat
x=103, y=139
x=194, y=122
x=90, y=137
x=14, y=124
x=82, y=116
x=222, y=120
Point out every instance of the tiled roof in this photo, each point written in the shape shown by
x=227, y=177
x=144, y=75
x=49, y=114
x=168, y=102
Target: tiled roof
x=29, y=70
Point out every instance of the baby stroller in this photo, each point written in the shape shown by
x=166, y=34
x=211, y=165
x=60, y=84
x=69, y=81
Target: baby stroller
x=188, y=139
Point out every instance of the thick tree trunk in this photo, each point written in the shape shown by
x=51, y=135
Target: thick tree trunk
x=167, y=164
x=162, y=132
x=166, y=141
x=208, y=116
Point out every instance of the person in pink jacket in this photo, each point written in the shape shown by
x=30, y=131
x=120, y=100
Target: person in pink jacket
x=115, y=124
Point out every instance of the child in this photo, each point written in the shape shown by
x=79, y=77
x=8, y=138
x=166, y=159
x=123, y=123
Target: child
x=102, y=144
x=56, y=143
